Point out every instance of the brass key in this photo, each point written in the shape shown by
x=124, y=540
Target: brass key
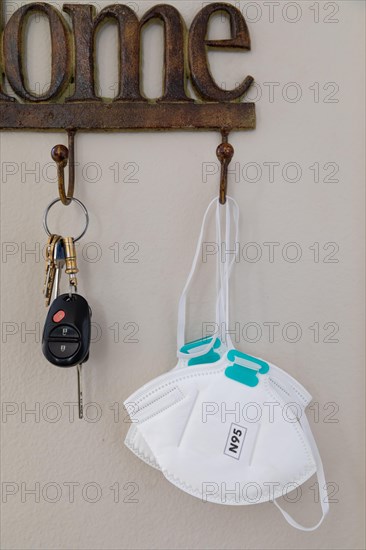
x=49, y=259
x=70, y=260
x=50, y=268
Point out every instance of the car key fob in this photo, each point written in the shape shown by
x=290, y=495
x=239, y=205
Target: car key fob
x=67, y=331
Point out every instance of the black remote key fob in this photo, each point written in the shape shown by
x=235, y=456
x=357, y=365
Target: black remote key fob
x=66, y=333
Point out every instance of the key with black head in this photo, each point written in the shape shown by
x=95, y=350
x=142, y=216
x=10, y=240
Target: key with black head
x=66, y=334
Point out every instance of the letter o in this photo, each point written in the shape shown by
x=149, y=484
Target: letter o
x=286, y=15
x=297, y=336
x=13, y=55
x=257, y=248
x=258, y=12
x=97, y=256
x=258, y=93
x=98, y=416
x=51, y=419
x=86, y=170
x=286, y=96
x=257, y=409
x=294, y=415
x=98, y=492
x=251, y=497
x=285, y=170
x=286, y=490
x=45, y=495
x=258, y=170
x=258, y=334
x=298, y=253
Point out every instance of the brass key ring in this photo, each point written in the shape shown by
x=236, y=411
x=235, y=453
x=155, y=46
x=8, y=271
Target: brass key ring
x=82, y=206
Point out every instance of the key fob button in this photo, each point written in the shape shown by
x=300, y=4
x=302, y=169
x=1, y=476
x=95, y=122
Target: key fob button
x=58, y=316
x=63, y=350
x=64, y=331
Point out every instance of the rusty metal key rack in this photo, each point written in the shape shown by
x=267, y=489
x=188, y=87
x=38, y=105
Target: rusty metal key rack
x=71, y=103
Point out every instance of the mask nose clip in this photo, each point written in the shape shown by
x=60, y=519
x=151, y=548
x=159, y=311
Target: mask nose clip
x=245, y=368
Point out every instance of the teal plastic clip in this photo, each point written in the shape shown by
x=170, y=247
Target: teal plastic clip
x=210, y=357
x=244, y=369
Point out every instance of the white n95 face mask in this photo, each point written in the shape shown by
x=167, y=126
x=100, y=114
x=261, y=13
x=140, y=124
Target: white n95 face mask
x=288, y=388
x=225, y=426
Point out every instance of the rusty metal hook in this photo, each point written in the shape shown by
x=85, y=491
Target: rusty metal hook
x=224, y=153
x=62, y=155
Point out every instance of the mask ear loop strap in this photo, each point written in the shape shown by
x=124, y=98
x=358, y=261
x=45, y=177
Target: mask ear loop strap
x=232, y=213
x=323, y=495
x=233, y=204
x=183, y=299
x=220, y=315
x=224, y=274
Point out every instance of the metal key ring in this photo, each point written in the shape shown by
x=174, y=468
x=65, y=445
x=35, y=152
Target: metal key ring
x=82, y=206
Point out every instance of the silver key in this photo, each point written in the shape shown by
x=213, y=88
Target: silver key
x=80, y=391
x=59, y=261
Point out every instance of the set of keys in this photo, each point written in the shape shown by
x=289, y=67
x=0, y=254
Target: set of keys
x=60, y=252
x=67, y=329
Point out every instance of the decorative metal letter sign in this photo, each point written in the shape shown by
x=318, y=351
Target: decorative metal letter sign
x=71, y=101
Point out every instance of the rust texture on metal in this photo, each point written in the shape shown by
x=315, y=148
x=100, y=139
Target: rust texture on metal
x=63, y=156
x=72, y=101
x=133, y=116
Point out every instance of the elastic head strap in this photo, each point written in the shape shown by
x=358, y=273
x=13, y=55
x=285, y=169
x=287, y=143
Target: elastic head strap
x=323, y=495
x=232, y=213
x=223, y=274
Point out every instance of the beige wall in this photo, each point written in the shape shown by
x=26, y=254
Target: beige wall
x=161, y=212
